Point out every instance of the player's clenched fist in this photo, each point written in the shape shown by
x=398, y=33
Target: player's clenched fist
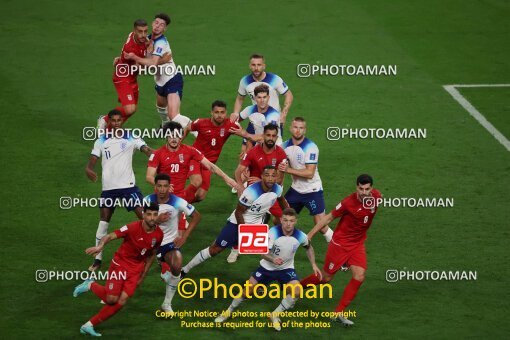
x=94, y=250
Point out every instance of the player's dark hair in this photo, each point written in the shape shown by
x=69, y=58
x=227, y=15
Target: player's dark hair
x=114, y=112
x=161, y=177
x=140, y=23
x=153, y=206
x=271, y=127
x=364, y=179
x=289, y=212
x=218, y=103
x=163, y=16
x=262, y=88
x=269, y=167
x=172, y=127
x=256, y=56
x=299, y=119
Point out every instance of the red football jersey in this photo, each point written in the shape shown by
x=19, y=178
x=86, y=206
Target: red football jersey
x=175, y=164
x=136, y=246
x=122, y=73
x=355, y=220
x=211, y=138
x=256, y=159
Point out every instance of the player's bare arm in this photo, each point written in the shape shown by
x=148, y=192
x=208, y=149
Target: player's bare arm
x=283, y=202
x=148, y=263
x=89, y=170
x=244, y=134
x=289, y=97
x=240, y=210
x=308, y=172
x=195, y=219
x=321, y=224
x=99, y=248
x=238, y=174
x=149, y=61
x=147, y=150
x=217, y=171
x=150, y=175
x=311, y=257
x=237, y=108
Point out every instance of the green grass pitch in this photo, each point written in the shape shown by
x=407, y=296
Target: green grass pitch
x=56, y=79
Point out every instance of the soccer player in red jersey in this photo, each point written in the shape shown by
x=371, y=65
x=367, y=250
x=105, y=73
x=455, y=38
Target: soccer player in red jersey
x=356, y=213
x=128, y=268
x=124, y=76
x=255, y=160
x=212, y=134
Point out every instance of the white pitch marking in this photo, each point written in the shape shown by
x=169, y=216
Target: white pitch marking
x=451, y=89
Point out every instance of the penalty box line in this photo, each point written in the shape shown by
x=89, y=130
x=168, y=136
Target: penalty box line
x=451, y=89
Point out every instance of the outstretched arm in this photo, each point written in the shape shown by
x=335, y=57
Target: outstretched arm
x=99, y=248
x=321, y=224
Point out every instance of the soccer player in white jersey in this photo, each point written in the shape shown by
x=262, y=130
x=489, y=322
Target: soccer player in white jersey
x=169, y=82
x=306, y=189
x=116, y=147
x=170, y=209
x=252, y=207
x=278, y=265
x=261, y=114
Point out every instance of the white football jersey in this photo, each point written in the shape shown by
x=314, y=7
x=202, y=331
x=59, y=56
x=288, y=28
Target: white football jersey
x=259, y=120
x=299, y=156
x=284, y=247
x=276, y=87
x=167, y=70
x=117, y=162
x=258, y=202
x=175, y=206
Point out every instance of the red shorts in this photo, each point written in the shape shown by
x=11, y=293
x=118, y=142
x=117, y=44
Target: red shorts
x=121, y=280
x=336, y=256
x=276, y=210
x=127, y=92
x=197, y=168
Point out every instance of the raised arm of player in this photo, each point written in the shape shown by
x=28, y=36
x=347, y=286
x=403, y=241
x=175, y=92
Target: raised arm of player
x=99, y=248
x=308, y=172
x=237, y=108
x=150, y=175
x=311, y=257
x=240, y=210
x=321, y=224
x=244, y=134
x=89, y=170
x=286, y=105
x=216, y=170
x=195, y=218
x=238, y=173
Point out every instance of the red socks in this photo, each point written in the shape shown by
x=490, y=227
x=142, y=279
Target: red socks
x=310, y=280
x=349, y=293
x=105, y=313
x=189, y=193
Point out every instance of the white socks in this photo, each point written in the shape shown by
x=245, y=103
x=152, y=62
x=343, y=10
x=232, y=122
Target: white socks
x=287, y=303
x=171, y=287
x=163, y=114
x=199, y=258
x=328, y=235
x=102, y=231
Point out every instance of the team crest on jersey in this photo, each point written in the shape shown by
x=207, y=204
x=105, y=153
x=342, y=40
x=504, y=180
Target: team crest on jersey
x=181, y=158
x=153, y=242
x=273, y=162
x=222, y=132
x=191, y=167
x=244, y=199
x=331, y=265
x=110, y=286
x=159, y=50
x=130, y=97
x=299, y=157
x=123, y=145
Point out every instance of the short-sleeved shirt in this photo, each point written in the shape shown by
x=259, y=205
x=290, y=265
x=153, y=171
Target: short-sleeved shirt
x=299, y=156
x=168, y=70
x=175, y=206
x=284, y=247
x=211, y=138
x=276, y=86
x=256, y=159
x=117, y=159
x=258, y=202
x=137, y=245
x=121, y=73
x=175, y=164
x=355, y=220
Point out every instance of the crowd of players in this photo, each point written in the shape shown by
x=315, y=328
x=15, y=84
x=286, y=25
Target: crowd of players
x=167, y=217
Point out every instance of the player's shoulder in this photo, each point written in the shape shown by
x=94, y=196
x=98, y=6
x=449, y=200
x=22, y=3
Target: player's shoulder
x=151, y=198
x=275, y=231
x=299, y=235
x=134, y=225
x=277, y=189
x=247, y=80
x=175, y=200
x=272, y=79
x=161, y=40
x=307, y=144
x=272, y=110
x=288, y=143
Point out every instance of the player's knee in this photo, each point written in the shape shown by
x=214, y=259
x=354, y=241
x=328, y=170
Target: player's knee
x=201, y=194
x=112, y=299
x=130, y=109
x=215, y=250
x=297, y=290
x=326, y=277
x=123, y=300
x=195, y=180
x=360, y=276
